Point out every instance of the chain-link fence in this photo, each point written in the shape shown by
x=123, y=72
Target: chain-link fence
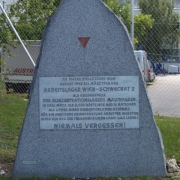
x=29, y=19
x=156, y=31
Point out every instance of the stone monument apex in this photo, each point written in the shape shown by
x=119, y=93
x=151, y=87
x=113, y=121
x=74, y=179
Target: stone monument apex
x=88, y=114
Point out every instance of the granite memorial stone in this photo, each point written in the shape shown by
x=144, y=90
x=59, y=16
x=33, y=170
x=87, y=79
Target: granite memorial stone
x=88, y=114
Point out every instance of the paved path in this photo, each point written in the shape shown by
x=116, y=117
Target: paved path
x=164, y=95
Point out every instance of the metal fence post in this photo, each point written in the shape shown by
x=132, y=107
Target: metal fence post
x=132, y=21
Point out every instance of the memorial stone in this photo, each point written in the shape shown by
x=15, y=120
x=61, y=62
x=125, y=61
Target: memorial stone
x=88, y=114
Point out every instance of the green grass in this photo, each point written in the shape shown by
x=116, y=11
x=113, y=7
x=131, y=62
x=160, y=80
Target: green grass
x=12, y=113
x=170, y=130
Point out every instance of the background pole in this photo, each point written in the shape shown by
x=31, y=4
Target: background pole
x=132, y=22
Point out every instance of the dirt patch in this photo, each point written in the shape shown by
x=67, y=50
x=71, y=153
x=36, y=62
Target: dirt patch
x=7, y=168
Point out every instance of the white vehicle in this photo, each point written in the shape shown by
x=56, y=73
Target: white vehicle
x=17, y=69
x=145, y=66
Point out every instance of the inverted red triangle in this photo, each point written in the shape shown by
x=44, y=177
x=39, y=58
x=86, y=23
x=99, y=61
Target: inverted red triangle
x=83, y=41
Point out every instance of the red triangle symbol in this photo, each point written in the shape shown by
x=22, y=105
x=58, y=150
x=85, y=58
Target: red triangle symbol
x=83, y=41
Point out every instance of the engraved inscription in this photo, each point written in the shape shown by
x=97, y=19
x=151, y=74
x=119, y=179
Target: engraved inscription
x=29, y=162
x=101, y=102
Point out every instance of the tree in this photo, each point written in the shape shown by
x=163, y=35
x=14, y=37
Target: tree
x=6, y=34
x=143, y=22
x=163, y=38
x=29, y=18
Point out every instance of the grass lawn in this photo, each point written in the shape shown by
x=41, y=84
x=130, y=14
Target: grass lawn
x=12, y=113
x=170, y=130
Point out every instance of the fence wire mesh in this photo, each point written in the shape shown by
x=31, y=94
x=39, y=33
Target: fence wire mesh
x=156, y=31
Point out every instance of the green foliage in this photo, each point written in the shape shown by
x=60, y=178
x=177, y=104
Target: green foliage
x=170, y=130
x=12, y=112
x=116, y=7
x=165, y=33
x=1, y=64
x=143, y=22
x=29, y=18
x=121, y=10
x=156, y=29
x=6, y=34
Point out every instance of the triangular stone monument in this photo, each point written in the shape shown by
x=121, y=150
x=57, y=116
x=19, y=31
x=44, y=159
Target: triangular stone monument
x=88, y=114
